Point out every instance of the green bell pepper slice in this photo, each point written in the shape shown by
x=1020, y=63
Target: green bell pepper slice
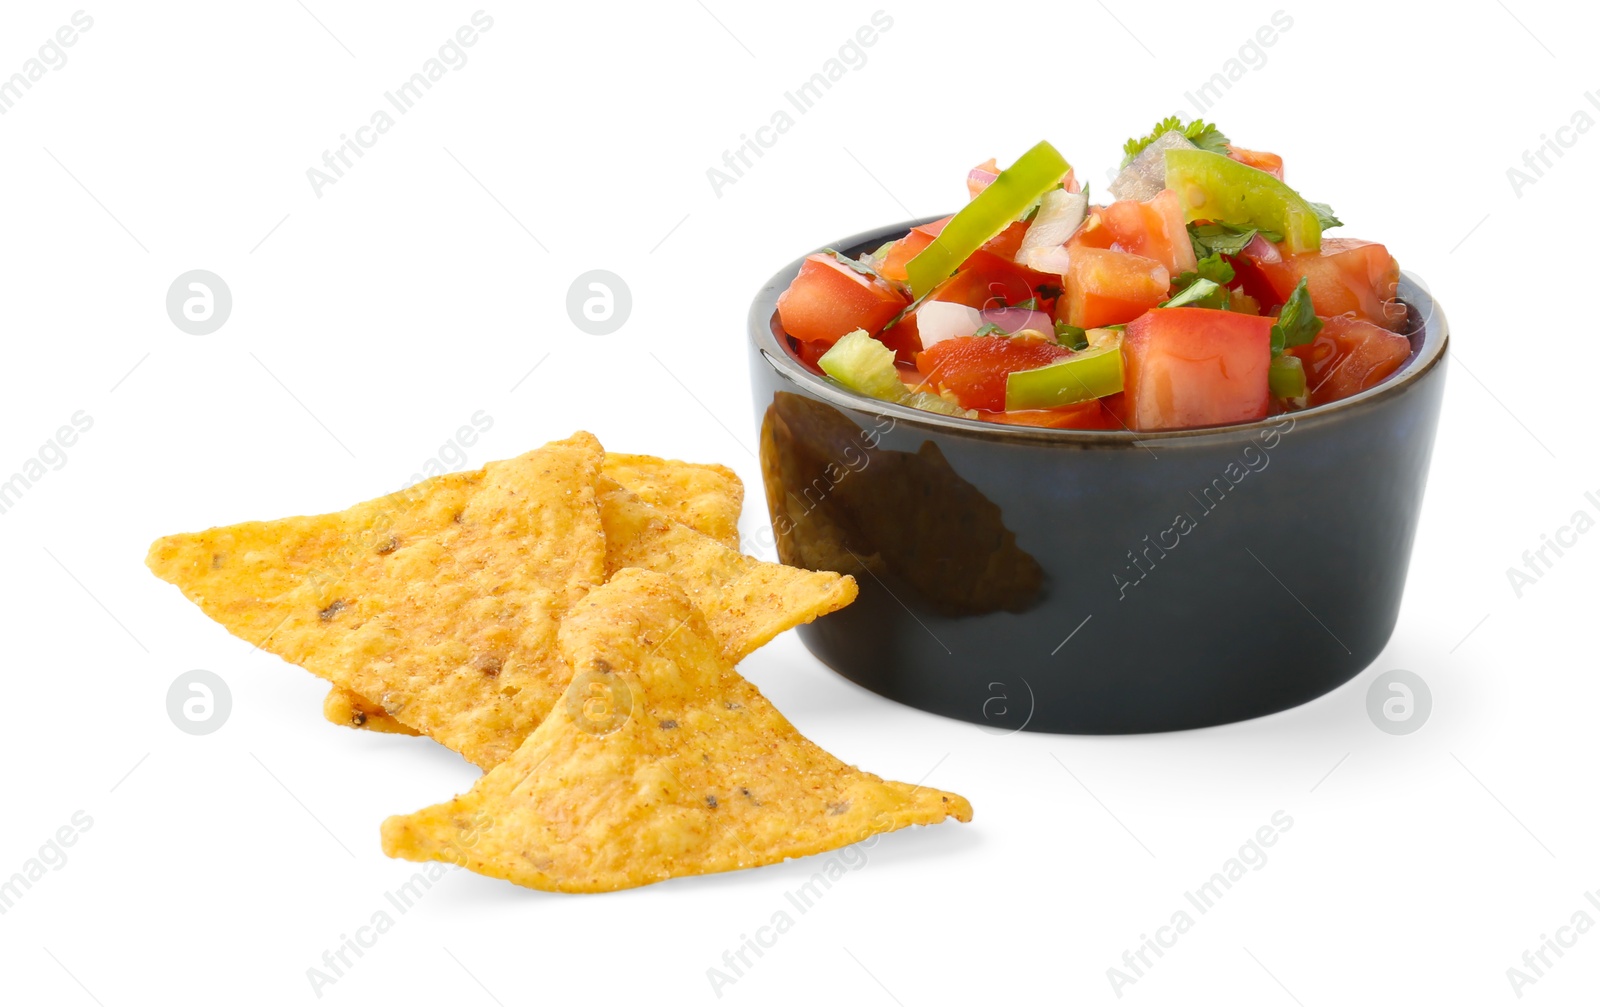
x=1089, y=374
x=1215, y=187
x=1007, y=197
x=1286, y=377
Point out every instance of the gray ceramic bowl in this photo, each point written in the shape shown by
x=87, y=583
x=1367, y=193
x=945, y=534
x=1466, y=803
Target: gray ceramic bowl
x=1097, y=581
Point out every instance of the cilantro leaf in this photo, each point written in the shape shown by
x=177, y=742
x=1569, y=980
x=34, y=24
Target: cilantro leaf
x=1071, y=336
x=1200, y=133
x=1211, y=267
x=1325, y=215
x=990, y=329
x=1204, y=287
x=1211, y=238
x=1297, y=323
x=1031, y=304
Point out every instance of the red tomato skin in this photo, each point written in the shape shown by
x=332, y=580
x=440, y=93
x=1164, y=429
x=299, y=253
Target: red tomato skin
x=987, y=279
x=1106, y=287
x=810, y=353
x=1196, y=367
x=1270, y=163
x=828, y=299
x=1006, y=243
x=1347, y=276
x=975, y=367
x=1348, y=356
x=903, y=340
x=906, y=249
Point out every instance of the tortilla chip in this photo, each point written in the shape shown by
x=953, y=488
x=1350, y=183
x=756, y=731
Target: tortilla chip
x=659, y=761
x=707, y=498
x=745, y=600
x=341, y=706
x=440, y=602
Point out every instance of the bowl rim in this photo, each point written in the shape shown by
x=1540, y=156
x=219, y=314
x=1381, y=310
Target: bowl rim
x=1430, y=345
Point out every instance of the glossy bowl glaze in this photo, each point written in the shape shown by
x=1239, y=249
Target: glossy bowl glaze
x=1097, y=581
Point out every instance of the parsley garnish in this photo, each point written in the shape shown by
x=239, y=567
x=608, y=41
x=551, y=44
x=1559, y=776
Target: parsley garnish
x=1200, y=133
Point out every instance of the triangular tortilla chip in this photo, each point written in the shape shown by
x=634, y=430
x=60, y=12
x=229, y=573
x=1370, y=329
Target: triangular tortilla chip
x=659, y=761
x=707, y=498
x=746, y=601
x=441, y=602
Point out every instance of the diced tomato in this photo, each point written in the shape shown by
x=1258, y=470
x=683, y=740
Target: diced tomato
x=1346, y=276
x=1196, y=367
x=987, y=279
x=1272, y=164
x=906, y=249
x=828, y=299
x=975, y=367
x=1006, y=243
x=1093, y=233
x=810, y=353
x=1116, y=407
x=1108, y=288
x=903, y=339
x=1349, y=355
x=1153, y=228
x=1084, y=416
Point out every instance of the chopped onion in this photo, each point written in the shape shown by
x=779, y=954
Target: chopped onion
x=1261, y=250
x=1060, y=214
x=941, y=320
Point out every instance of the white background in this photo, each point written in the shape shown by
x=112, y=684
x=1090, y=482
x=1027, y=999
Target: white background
x=370, y=323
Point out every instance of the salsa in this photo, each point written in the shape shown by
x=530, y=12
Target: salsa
x=1204, y=292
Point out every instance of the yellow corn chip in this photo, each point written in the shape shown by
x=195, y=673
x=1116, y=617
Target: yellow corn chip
x=440, y=602
x=746, y=602
x=707, y=498
x=341, y=706
x=659, y=761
